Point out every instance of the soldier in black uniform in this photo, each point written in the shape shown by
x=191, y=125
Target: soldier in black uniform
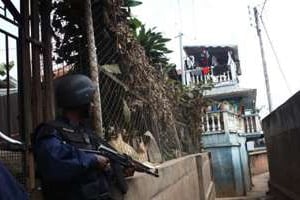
x=65, y=171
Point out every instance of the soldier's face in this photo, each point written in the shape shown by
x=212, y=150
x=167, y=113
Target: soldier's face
x=85, y=111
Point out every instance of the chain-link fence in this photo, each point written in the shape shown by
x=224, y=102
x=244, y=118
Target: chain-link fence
x=126, y=108
x=130, y=113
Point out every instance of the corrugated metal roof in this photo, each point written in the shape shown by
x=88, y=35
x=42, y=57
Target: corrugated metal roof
x=196, y=49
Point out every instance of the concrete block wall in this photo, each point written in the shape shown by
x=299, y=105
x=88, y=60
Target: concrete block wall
x=187, y=178
x=258, y=162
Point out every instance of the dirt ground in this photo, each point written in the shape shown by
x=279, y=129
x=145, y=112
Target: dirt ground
x=258, y=191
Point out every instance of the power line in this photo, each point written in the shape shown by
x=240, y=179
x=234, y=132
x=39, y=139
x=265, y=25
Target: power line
x=276, y=55
x=263, y=7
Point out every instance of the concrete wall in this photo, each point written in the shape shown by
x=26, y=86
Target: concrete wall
x=258, y=162
x=230, y=163
x=187, y=178
x=282, y=134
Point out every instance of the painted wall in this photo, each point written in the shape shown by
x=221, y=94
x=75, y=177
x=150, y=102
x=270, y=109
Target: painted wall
x=230, y=163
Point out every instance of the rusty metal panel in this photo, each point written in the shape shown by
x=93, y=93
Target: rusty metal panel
x=13, y=120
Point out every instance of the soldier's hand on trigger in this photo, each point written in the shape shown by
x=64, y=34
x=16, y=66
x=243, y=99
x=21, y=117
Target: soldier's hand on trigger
x=103, y=162
x=129, y=171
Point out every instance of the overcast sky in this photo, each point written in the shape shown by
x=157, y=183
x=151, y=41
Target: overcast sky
x=218, y=22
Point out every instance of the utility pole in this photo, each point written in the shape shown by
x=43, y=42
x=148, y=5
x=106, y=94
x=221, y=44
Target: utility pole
x=181, y=58
x=263, y=59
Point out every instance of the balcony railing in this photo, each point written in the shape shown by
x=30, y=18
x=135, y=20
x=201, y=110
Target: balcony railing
x=252, y=123
x=195, y=76
x=213, y=122
x=225, y=121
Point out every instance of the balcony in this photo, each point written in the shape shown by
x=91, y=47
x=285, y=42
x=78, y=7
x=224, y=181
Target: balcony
x=194, y=76
x=226, y=121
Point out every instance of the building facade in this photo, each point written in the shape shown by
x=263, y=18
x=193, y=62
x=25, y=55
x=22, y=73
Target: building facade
x=231, y=121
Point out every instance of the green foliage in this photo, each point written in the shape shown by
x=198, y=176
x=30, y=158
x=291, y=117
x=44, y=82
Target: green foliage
x=68, y=33
x=69, y=30
x=154, y=44
x=168, y=68
x=189, y=101
x=3, y=67
x=131, y=3
x=134, y=24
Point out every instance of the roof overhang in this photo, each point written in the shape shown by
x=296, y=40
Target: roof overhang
x=247, y=96
x=193, y=50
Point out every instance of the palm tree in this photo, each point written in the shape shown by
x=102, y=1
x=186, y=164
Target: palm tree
x=154, y=43
x=155, y=46
x=131, y=3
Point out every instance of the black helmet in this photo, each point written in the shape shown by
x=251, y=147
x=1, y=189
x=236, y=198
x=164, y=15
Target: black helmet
x=73, y=91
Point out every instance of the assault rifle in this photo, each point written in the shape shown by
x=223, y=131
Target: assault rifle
x=124, y=160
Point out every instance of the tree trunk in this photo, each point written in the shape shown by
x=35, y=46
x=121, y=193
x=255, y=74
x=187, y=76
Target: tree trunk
x=49, y=112
x=93, y=62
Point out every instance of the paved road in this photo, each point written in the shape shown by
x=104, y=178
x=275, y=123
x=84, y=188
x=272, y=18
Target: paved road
x=259, y=190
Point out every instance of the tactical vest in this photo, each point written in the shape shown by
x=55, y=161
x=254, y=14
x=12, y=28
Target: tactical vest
x=80, y=137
